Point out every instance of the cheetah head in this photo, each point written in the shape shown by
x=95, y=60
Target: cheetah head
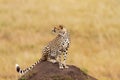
x=59, y=30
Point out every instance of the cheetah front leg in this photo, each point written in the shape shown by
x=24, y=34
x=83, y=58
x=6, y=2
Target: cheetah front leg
x=64, y=61
x=60, y=63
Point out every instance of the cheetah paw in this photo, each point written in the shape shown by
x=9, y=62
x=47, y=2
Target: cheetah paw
x=53, y=61
x=66, y=67
x=61, y=67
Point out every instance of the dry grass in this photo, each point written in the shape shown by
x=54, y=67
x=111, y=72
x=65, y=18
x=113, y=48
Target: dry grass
x=94, y=26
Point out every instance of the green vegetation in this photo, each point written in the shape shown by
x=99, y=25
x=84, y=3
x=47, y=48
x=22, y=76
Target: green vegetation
x=85, y=70
x=22, y=79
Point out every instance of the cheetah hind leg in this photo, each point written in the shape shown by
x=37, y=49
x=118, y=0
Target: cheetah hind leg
x=53, y=60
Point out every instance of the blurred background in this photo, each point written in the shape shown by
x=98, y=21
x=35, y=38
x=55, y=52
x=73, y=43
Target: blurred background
x=94, y=25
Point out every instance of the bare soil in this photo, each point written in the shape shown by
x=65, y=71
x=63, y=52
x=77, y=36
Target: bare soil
x=48, y=71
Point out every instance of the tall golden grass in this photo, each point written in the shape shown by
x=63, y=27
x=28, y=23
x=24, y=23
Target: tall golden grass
x=94, y=25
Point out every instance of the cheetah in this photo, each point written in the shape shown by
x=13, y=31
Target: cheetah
x=54, y=50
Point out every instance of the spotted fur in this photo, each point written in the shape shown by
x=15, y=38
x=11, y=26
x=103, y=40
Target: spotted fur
x=54, y=50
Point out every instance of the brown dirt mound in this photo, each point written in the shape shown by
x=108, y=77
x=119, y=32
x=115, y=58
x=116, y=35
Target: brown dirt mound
x=48, y=71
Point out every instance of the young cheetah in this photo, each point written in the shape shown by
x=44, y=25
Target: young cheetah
x=54, y=50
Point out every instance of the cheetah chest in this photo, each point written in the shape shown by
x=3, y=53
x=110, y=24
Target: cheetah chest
x=65, y=43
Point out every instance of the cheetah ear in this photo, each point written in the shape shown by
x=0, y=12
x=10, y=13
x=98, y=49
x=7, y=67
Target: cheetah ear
x=61, y=26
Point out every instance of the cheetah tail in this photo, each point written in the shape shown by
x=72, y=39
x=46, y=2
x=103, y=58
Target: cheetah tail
x=20, y=71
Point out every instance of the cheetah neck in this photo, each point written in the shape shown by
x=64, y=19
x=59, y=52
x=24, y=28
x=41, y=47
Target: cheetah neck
x=63, y=35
